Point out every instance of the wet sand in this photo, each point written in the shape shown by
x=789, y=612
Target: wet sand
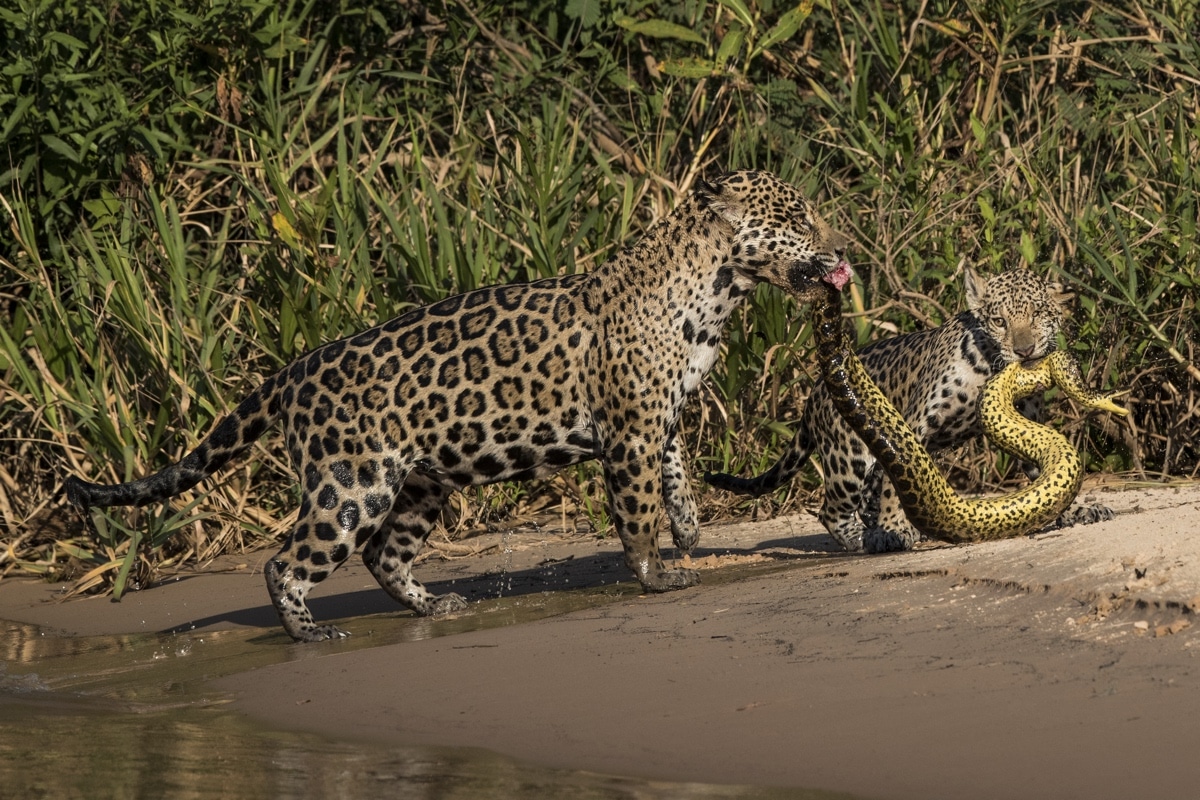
x=1061, y=665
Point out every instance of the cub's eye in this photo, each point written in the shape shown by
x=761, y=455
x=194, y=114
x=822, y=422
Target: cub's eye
x=1000, y=322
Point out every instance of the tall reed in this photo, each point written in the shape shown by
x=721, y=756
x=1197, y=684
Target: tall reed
x=196, y=193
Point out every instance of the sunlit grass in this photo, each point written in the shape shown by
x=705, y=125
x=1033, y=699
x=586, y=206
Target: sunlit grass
x=318, y=173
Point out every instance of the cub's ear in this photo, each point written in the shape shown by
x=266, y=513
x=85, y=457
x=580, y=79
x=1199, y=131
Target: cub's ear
x=1061, y=296
x=975, y=287
x=707, y=190
x=719, y=196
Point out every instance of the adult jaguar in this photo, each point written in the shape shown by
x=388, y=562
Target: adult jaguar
x=934, y=378
x=507, y=383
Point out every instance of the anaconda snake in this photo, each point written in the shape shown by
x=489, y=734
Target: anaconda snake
x=930, y=502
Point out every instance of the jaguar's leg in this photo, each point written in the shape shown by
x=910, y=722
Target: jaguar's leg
x=632, y=469
x=868, y=511
x=843, y=524
x=890, y=530
x=678, y=500
x=390, y=552
x=334, y=520
x=846, y=488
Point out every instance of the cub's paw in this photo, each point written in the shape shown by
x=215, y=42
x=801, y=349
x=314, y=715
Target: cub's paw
x=447, y=604
x=882, y=540
x=670, y=579
x=1083, y=514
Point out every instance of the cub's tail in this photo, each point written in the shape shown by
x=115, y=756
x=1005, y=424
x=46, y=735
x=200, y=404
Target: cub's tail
x=232, y=437
x=782, y=471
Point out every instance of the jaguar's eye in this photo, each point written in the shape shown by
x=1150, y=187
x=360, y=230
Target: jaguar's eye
x=1000, y=322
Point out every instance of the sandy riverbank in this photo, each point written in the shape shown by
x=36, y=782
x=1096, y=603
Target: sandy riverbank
x=1062, y=665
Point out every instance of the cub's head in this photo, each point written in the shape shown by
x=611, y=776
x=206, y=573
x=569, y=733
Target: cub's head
x=778, y=237
x=1022, y=312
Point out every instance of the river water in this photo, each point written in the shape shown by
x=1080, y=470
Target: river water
x=135, y=716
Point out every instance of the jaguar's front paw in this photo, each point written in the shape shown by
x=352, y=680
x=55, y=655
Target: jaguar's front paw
x=850, y=542
x=685, y=538
x=882, y=540
x=320, y=633
x=447, y=604
x=669, y=580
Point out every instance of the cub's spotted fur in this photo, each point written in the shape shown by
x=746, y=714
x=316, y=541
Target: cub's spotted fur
x=934, y=378
x=507, y=383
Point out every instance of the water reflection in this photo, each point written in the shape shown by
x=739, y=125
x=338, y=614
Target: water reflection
x=132, y=716
x=50, y=747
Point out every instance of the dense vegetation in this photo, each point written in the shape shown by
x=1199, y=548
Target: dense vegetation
x=194, y=191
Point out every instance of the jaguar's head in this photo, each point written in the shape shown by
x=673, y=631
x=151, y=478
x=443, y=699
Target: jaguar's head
x=1022, y=312
x=778, y=237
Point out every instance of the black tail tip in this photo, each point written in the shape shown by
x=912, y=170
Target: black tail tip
x=78, y=493
x=720, y=480
x=734, y=484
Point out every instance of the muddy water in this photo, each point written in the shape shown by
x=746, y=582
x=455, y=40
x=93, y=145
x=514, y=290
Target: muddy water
x=134, y=716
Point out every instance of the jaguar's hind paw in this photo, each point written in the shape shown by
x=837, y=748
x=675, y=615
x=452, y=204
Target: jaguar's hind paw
x=1083, y=514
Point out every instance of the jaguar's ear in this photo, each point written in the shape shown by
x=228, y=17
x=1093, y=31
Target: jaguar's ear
x=1061, y=296
x=975, y=287
x=708, y=190
x=720, y=197
x=1059, y=292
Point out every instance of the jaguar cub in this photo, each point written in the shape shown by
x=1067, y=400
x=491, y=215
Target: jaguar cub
x=507, y=383
x=934, y=378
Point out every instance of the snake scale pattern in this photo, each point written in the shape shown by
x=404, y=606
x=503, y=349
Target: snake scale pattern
x=930, y=502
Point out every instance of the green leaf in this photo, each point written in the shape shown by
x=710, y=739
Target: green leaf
x=660, y=29
x=740, y=11
x=59, y=146
x=621, y=79
x=402, y=75
x=104, y=208
x=65, y=39
x=135, y=538
x=688, y=67
x=586, y=11
x=22, y=105
x=731, y=45
x=785, y=28
x=978, y=130
x=1028, y=251
x=30, y=382
x=985, y=208
x=281, y=44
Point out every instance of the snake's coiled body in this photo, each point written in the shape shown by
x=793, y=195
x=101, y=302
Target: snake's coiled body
x=930, y=502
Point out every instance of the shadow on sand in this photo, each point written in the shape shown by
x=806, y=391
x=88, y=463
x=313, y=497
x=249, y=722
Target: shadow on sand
x=552, y=575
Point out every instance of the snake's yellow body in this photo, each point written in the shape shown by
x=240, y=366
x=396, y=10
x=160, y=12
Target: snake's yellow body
x=930, y=502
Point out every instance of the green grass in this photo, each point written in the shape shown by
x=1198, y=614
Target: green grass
x=195, y=192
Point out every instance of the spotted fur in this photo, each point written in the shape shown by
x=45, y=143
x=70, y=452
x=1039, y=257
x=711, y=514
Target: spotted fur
x=931, y=504
x=508, y=383
x=934, y=378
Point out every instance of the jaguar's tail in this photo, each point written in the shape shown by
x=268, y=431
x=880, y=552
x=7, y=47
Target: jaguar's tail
x=782, y=471
x=232, y=436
